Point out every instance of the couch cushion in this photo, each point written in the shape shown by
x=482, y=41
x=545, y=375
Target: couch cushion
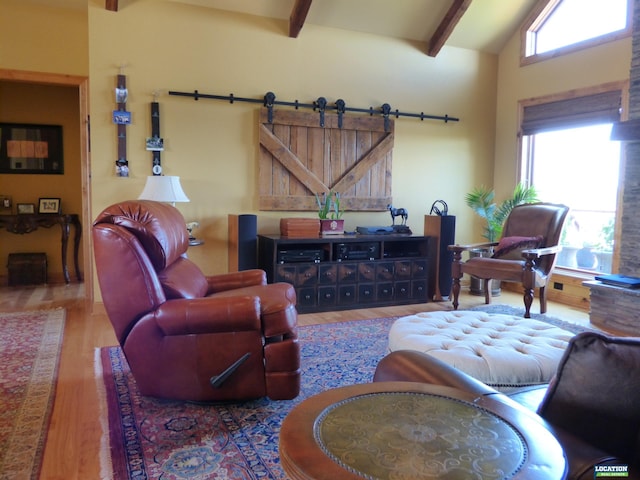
x=596, y=393
x=183, y=279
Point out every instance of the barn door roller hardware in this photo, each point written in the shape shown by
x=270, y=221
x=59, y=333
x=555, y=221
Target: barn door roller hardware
x=320, y=105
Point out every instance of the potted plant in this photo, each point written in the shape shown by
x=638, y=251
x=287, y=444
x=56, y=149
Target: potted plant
x=330, y=213
x=482, y=201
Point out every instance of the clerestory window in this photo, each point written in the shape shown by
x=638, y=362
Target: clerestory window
x=560, y=26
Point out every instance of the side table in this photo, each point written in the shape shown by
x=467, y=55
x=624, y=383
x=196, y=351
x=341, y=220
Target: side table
x=389, y=430
x=27, y=223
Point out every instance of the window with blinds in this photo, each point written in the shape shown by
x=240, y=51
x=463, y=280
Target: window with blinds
x=568, y=155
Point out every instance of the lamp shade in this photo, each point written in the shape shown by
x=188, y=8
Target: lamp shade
x=163, y=188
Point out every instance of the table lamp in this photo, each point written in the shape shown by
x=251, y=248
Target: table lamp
x=163, y=188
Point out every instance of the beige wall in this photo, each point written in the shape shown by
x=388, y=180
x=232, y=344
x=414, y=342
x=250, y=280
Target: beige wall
x=43, y=39
x=213, y=145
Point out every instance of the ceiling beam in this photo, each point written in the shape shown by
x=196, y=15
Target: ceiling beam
x=111, y=5
x=448, y=23
x=298, y=17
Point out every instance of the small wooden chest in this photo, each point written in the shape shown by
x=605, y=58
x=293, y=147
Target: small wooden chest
x=27, y=268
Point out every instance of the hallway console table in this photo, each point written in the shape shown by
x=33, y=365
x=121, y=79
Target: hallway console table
x=27, y=223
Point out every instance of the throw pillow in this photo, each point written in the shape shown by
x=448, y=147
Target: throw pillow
x=596, y=392
x=510, y=248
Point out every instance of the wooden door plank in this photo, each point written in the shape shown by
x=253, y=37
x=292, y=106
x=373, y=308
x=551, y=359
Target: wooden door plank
x=287, y=160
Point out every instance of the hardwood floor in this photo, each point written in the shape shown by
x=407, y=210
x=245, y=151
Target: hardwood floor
x=73, y=446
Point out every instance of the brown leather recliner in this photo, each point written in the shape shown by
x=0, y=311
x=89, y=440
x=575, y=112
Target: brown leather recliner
x=592, y=405
x=185, y=335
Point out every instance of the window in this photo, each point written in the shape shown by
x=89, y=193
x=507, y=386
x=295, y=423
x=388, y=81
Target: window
x=567, y=155
x=558, y=25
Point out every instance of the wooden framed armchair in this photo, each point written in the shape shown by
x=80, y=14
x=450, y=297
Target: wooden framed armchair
x=525, y=254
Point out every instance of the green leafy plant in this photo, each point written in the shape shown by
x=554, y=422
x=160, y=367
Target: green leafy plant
x=481, y=200
x=329, y=205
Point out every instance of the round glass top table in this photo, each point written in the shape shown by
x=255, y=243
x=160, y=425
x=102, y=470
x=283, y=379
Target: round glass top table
x=403, y=430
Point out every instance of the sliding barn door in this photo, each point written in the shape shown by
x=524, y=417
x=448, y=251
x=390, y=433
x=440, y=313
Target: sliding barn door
x=299, y=158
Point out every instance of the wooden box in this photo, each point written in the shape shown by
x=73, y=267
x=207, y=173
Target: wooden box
x=27, y=268
x=300, y=227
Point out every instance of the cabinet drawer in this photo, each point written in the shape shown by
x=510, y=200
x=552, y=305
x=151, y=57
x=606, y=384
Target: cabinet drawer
x=366, y=293
x=306, y=275
x=384, y=292
x=402, y=290
x=326, y=296
x=419, y=269
x=306, y=296
x=403, y=269
x=366, y=272
x=328, y=274
x=347, y=294
x=384, y=271
x=347, y=272
x=286, y=274
x=419, y=290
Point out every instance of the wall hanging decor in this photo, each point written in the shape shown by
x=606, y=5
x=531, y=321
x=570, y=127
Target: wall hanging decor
x=155, y=143
x=121, y=117
x=26, y=148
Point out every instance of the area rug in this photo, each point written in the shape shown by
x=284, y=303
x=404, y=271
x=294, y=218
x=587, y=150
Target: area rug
x=30, y=344
x=544, y=317
x=155, y=439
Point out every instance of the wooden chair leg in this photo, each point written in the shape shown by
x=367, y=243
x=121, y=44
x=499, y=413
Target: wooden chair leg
x=528, y=300
x=543, y=300
x=456, y=274
x=487, y=290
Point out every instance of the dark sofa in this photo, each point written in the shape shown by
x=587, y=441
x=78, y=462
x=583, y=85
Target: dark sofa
x=592, y=405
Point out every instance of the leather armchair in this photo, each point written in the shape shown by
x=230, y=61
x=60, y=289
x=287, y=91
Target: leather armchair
x=525, y=254
x=185, y=335
x=590, y=406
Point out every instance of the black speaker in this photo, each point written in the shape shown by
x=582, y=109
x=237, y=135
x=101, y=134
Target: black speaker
x=442, y=230
x=447, y=237
x=243, y=242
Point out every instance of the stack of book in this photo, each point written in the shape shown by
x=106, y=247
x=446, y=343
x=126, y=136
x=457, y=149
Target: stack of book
x=300, y=227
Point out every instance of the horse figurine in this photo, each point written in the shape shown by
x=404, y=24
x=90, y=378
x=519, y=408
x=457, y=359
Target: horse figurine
x=398, y=212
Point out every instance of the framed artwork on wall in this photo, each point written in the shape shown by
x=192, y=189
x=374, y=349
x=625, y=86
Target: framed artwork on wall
x=26, y=208
x=49, y=205
x=26, y=148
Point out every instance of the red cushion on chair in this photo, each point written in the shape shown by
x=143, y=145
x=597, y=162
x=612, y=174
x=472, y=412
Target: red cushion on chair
x=510, y=248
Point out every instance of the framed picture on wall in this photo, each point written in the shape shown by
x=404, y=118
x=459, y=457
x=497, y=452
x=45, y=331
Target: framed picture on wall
x=26, y=148
x=26, y=208
x=49, y=205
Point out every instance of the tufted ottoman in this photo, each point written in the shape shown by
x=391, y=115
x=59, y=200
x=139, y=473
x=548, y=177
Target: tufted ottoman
x=502, y=351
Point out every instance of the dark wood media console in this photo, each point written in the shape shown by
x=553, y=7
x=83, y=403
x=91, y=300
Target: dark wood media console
x=349, y=271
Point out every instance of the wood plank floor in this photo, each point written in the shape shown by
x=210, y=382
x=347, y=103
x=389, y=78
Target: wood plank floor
x=73, y=446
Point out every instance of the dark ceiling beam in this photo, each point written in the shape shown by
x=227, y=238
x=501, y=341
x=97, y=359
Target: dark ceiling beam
x=298, y=16
x=448, y=23
x=111, y=5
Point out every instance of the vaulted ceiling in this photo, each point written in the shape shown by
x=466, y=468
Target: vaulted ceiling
x=483, y=25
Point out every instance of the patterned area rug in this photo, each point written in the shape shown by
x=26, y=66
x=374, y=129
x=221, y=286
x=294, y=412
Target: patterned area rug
x=30, y=345
x=166, y=440
x=155, y=439
x=543, y=317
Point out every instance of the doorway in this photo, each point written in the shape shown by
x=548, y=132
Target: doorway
x=82, y=85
